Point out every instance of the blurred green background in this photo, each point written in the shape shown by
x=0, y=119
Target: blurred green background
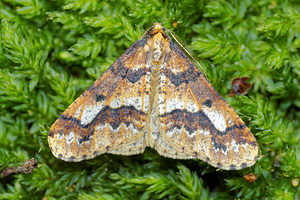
x=51, y=51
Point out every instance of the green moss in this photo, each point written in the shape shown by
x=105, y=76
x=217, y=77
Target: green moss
x=51, y=51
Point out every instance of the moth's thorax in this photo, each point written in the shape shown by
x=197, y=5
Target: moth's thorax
x=156, y=50
x=159, y=45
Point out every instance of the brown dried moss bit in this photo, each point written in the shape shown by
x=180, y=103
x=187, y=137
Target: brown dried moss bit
x=25, y=168
x=250, y=177
x=240, y=86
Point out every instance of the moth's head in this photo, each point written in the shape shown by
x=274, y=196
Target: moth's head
x=158, y=29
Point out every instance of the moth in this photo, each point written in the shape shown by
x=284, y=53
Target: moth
x=153, y=96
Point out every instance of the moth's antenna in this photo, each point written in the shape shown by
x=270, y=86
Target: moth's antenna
x=186, y=51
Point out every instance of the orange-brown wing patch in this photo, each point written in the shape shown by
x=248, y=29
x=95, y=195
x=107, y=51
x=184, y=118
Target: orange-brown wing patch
x=110, y=116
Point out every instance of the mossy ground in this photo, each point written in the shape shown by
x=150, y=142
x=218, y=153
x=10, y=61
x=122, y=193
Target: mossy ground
x=51, y=51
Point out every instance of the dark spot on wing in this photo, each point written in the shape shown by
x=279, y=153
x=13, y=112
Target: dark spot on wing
x=100, y=98
x=190, y=75
x=232, y=167
x=84, y=157
x=244, y=165
x=50, y=133
x=219, y=165
x=135, y=75
x=118, y=69
x=207, y=103
x=71, y=158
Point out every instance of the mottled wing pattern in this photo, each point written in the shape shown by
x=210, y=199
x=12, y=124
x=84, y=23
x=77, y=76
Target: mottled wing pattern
x=153, y=95
x=195, y=121
x=110, y=116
